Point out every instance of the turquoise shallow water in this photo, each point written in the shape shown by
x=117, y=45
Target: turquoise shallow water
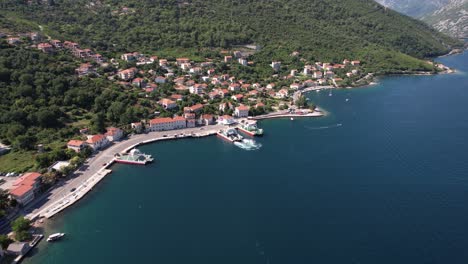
x=382, y=179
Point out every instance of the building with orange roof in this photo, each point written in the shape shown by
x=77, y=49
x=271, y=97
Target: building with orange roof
x=76, y=145
x=167, y=103
x=97, y=142
x=242, y=111
x=167, y=123
x=25, y=187
x=206, y=119
x=114, y=134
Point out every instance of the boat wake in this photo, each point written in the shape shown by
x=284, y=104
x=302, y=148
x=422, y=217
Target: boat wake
x=324, y=127
x=248, y=144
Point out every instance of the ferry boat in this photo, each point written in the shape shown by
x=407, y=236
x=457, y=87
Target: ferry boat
x=251, y=129
x=55, y=237
x=134, y=157
x=230, y=135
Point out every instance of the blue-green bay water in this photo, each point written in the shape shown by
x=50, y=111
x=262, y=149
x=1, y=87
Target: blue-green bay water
x=382, y=179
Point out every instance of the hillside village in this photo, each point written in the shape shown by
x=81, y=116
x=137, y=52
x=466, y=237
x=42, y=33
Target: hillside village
x=186, y=94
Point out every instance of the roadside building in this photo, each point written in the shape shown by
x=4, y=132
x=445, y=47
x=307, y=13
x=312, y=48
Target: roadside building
x=76, y=145
x=226, y=120
x=97, y=142
x=242, y=111
x=207, y=120
x=18, y=248
x=167, y=123
x=114, y=134
x=137, y=127
x=25, y=187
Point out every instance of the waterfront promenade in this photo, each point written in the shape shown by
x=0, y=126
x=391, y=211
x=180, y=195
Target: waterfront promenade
x=94, y=169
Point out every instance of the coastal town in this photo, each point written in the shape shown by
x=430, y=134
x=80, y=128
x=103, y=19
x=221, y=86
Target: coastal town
x=189, y=99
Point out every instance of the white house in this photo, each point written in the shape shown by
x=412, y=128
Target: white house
x=167, y=103
x=276, y=65
x=97, y=142
x=114, y=134
x=226, y=120
x=76, y=145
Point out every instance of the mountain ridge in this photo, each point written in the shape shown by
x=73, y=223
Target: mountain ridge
x=451, y=19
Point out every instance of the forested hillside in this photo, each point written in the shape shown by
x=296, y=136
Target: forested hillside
x=43, y=101
x=324, y=30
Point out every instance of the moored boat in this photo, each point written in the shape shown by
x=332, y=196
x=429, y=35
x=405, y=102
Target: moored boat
x=230, y=135
x=133, y=157
x=55, y=237
x=250, y=128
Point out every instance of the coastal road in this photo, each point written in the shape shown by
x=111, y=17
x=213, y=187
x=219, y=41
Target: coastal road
x=98, y=161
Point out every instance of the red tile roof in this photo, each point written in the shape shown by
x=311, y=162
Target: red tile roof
x=160, y=120
x=243, y=108
x=75, y=143
x=96, y=138
x=25, y=183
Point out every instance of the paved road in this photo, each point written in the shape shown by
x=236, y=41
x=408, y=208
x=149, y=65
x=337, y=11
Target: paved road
x=95, y=163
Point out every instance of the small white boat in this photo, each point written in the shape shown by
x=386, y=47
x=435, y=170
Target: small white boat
x=55, y=237
x=292, y=118
x=347, y=99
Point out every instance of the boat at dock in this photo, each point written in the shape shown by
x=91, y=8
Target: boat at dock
x=55, y=237
x=250, y=128
x=230, y=135
x=133, y=157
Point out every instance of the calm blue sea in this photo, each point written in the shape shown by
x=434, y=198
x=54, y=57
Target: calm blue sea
x=382, y=179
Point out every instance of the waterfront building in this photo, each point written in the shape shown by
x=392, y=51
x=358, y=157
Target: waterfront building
x=226, y=120
x=18, y=248
x=97, y=142
x=167, y=123
x=25, y=187
x=114, y=134
x=242, y=111
x=207, y=120
x=137, y=127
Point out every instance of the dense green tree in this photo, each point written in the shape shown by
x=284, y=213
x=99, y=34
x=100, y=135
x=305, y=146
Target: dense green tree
x=5, y=241
x=21, y=227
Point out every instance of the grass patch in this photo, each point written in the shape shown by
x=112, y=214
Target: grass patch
x=17, y=161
